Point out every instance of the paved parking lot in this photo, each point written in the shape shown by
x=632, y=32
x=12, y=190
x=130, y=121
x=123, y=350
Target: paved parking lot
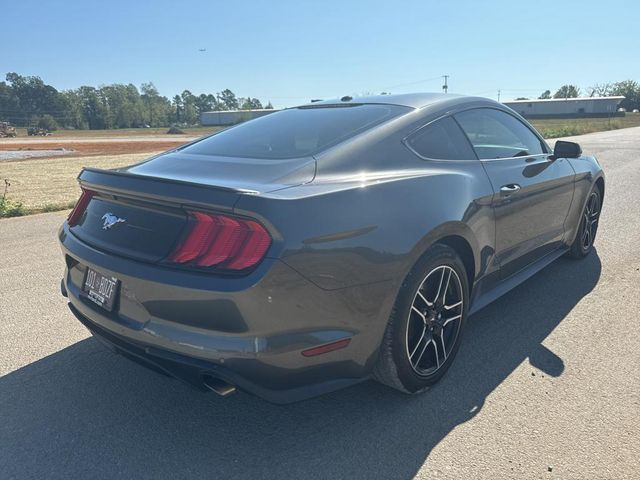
x=546, y=384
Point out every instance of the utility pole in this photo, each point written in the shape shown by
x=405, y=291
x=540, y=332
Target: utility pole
x=445, y=87
x=498, y=94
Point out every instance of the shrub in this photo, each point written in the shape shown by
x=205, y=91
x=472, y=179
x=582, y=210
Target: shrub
x=48, y=122
x=9, y=208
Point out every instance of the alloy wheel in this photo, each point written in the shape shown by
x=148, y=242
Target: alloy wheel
x=434, y=320
x=589, y=224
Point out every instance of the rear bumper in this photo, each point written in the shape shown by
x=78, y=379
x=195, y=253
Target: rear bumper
x=194, y=371
x=248, y=331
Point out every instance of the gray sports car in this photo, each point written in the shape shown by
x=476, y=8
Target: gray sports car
x=326, y=244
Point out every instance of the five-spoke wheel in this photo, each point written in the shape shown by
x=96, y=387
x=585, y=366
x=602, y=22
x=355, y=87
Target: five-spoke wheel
x=588, y=225
x=425, y=328
x=434, y=320
x=590, y=221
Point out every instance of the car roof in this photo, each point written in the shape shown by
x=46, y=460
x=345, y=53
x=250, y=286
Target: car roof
x=413, y=100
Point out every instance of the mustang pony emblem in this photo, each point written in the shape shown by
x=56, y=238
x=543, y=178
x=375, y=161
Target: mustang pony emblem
x=109, y=220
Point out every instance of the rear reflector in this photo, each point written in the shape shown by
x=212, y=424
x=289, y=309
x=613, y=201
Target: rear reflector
x=81, y=206
x=220, y=241
x=329, y=347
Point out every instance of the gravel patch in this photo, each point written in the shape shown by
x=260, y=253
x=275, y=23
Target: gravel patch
x=7, y=155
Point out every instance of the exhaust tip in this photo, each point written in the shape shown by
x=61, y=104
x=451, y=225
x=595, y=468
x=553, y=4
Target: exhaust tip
x=219, y=386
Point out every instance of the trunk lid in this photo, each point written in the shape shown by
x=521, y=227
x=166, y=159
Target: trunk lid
x=141, y=211
x=242, y=174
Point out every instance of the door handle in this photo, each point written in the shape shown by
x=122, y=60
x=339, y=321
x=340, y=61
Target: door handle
x=509, y=189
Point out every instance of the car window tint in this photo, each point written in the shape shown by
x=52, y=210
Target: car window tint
x=296, y=132
x=496, y=134
x=442, y=140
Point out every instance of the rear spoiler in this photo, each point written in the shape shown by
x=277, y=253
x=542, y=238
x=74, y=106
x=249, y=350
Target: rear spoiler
x=160, y=190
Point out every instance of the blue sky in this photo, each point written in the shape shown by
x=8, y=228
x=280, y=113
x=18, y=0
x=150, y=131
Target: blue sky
x=291, y=51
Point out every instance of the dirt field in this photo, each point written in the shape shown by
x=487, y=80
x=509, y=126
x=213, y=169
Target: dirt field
x=89, y=148
x=120, y=132
x=50, y=184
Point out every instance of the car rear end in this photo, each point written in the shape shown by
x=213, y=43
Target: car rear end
x=167, y=274
x=166, y=265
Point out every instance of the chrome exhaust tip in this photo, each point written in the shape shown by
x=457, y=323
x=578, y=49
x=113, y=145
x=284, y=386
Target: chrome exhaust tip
x=219, y=386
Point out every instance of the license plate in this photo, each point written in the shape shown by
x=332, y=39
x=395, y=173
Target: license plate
x=100, y=289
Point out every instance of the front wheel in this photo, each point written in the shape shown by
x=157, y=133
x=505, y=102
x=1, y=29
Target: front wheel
x=425, y=327
x=583, y=244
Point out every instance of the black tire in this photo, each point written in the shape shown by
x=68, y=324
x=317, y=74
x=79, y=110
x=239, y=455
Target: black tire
x=395, y=366
x=589, y=220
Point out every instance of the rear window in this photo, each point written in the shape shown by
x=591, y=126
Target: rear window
x=296, y=132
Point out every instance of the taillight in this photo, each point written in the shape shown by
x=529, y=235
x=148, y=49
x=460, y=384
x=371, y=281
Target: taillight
x=81, y=206
x=220, y=241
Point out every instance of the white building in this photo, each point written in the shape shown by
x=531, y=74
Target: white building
x=566, y=107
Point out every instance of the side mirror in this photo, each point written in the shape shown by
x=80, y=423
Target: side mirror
x=564, y=149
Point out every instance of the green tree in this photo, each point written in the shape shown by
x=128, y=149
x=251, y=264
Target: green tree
x=178, y=109
x=600, y=90
x=630, y=89
x=206, y=103
x=227, y=100
x=123, y=105
x=34, y=98
x=190, y=112
x=251, y=104
x=48, y=122
x=93, y=108
x=158, y=108
x=28, y=100
x=9, y=104
x=545, y=95
x=74, y=111
x=567, y=91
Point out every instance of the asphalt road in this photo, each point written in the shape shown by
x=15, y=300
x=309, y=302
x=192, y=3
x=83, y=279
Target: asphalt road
x=546, y=384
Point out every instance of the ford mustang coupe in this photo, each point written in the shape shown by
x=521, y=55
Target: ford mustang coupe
x=326, y=244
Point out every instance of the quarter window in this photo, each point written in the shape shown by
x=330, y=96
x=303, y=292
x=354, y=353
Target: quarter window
x=496, y=134
x=441, y=140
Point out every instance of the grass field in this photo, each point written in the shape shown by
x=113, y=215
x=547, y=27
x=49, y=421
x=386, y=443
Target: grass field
x=42, y=185
x=567, y=127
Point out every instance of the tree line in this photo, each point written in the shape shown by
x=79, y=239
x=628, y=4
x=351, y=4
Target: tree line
x=630, y=89
x=29, y=101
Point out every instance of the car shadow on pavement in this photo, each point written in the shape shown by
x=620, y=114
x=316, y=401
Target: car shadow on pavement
x=85, y=412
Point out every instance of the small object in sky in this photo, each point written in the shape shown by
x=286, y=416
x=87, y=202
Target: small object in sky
x=202, y=49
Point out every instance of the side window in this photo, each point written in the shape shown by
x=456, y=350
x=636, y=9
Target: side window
x=496, y=134
x=441, y=140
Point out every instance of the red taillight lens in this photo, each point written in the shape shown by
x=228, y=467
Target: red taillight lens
x=81, y=206
x=221, y=241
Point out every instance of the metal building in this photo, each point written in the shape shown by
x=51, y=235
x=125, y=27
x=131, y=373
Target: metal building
x=231, y=117
x=567, y=107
